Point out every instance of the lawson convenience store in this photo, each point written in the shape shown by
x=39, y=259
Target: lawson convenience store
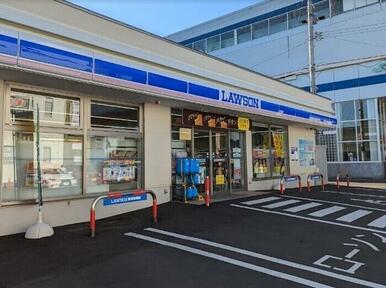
x=118, y=107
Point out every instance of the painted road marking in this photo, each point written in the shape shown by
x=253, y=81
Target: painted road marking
x=281, y=204
x=258, y=201
x=332, y=202
x=232, y=261
x=309, y=219
x=379, y=223
x=303, y=207
x=267, y=258
x=355, y=194
x=327, y=211
x=351, y=217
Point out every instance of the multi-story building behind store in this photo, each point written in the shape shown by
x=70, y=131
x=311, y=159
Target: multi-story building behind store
x=350, y=55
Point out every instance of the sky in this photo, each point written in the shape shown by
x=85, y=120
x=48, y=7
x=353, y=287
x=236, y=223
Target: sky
x=164, y=17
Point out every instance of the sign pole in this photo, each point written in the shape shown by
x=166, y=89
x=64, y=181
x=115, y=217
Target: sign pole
x=40, y=229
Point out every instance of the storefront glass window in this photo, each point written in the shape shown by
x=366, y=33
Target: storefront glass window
x=61, y=165
x=261, y=151
x=112, y=116
x=269, y=150
x=260, y=29
x=278, y=149
x=322, y=10
x=336, y=7
x=244, y=34
x=113, y=164
x=367, y=130
x=53, y=111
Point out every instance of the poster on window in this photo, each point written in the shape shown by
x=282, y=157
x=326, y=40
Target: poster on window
x=294, y=154
x=278, y=142
x=306, y=153
x=236, y=169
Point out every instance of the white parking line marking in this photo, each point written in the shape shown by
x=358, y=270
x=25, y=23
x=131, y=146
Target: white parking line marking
x=332, y=202
x=379, y=223
x=281, y=204
x=351, y=217
x=355, y=194
x=258, y=201
x=267, y=258
x=327, y=211
x=232, y=261
x=303, y=207
x=309, y=219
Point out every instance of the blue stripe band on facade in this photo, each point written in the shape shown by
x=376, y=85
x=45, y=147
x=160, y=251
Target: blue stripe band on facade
x=167, y=83
x=8, y=45
x=46, y=54
x=262, y=17
x=204, y=91
x=350, y=83
x=109, y=69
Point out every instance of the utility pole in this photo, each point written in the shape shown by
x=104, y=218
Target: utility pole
x=311, y=57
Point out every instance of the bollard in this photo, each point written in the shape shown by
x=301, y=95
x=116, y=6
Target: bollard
x=337, y=182
x=207, y=191
x=282, y=188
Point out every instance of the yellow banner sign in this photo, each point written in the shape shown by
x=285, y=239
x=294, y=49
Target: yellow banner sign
x=220, y=180
x=243, y=123
x=185, y=134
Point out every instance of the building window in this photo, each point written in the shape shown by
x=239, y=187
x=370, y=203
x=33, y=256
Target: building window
x=278, y=24
x=260, y=29
x=244, y=34
x=60, y=160
x=56, y=111
x=200, y=45
x=113, y=163
x=213, y=43
x=357, y=126
x=112, y=116
x=227, y=39
x=297, y=17
x=269, y=152
x=322, y=10
x=190, y=45
x=336, y=7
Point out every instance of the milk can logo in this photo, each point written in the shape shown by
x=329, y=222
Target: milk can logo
x=239, y=99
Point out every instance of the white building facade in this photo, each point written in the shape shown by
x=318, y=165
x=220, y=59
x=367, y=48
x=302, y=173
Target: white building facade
x=120, y=106
x=350, y=57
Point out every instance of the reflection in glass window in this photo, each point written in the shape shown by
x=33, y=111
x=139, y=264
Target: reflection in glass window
x=278, y=24
x=112, y=116
x=227, y=39
x=297, y=17
x=61, y=165
x=213, y=43
x=54, y=110
x=200, y=45
x=337, y=7
x=244, y=34
x=348, y=151
x=113, y=164
x=190, y=45
x=260, y=29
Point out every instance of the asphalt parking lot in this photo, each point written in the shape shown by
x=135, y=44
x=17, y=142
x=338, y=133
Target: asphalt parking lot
x=300, y=239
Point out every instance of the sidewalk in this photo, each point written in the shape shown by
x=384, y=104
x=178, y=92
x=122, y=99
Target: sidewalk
x=367, y=185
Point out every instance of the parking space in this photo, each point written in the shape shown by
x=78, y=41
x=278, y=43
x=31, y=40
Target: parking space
x=307, y=239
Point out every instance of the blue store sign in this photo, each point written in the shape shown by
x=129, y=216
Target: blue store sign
x=124, y=199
